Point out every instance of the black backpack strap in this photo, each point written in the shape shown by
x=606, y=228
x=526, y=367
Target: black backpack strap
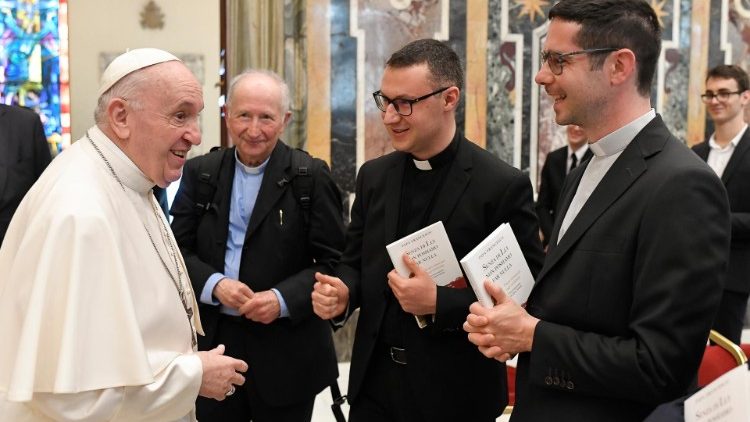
x=302, y=182
x=338, y=400
x=209, y=169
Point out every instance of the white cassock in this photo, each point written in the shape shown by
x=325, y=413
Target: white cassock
x=91, y=323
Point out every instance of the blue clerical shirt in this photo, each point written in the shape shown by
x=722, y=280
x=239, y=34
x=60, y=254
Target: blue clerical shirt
x=245, y=190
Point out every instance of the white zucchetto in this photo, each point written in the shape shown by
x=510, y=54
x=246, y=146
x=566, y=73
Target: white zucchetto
x=129, y=62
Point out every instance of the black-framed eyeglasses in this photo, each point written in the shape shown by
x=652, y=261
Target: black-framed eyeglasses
x=722, y=96
x=555, y=61
x=403, y=106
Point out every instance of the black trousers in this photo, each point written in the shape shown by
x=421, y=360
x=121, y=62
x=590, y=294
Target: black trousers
x=246, y=404
x=731, y=316
x=386, y=395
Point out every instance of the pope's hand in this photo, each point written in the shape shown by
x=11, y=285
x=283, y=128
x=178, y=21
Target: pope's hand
x=330, y=296
x=220, y=373
x=232, y=293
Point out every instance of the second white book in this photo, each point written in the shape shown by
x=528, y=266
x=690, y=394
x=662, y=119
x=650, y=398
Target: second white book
x=499, y=259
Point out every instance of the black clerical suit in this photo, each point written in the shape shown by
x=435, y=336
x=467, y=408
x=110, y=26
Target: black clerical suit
x=446, y=377
x=291, y=359
x=554, y=172
x=627, y=297
x=736, y=179
x=24, y=154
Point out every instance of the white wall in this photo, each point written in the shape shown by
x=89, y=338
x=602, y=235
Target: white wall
x=95, y=26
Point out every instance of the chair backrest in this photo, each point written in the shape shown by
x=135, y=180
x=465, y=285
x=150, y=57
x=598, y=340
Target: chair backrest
x=719, y=358
x=511, y=371
x=746, y=348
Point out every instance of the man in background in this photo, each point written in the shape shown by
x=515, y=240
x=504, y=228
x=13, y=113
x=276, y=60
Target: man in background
x=399, y=371
x=727, y=152
x=556, y=167
x=619, y=316
x=98, y=318
x=269, y=217
x=24, y=154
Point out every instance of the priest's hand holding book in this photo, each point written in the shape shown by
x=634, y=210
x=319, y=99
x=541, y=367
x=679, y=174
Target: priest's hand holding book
x=503, y=330
x=417, y=294
x=330, y=296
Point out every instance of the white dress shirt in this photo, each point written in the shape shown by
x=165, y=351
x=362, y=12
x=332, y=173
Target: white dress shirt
x=719, y=156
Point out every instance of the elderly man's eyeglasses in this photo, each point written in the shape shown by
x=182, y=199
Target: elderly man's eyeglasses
x=722, y=96
x=555, y=61
x=402, y=106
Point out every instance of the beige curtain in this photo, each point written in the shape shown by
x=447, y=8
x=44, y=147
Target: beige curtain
x=256, y=37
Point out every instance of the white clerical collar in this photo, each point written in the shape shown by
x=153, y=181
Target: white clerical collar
x=125, y=169
x=248, y=169
x=422, y=165
x=732, y=144
x=619, y=139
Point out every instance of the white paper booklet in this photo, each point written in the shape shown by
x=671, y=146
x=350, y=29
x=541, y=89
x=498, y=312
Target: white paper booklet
x=499, y=258
x=726, y=399
x=432, y=250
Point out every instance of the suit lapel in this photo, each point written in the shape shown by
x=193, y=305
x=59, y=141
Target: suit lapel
x=702, y=150
x=558, y=167
x=741, y=149
x=270, y=188
x=574, y=178
x=454, y=185
x=393, y=181
x=5, y=147
x=626, y=170
x=5, y=138
x=586, y=155
x=222, y=201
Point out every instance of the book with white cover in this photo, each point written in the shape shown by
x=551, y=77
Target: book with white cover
x=499, y=258
x=432, y=250
x=723, y=400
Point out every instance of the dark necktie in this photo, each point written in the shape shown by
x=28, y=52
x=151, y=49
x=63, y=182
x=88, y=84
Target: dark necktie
x=573, y=162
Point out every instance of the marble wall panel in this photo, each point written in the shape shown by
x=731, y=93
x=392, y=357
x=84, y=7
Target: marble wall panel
x=382, y=27
x=343, y=98
x=520, y=126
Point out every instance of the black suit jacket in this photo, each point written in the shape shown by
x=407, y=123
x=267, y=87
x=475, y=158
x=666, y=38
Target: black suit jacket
x=293, y=358
x=736, y=179
x=24, y=154
x=553, y=176
x=450, y=378
x=627, y=297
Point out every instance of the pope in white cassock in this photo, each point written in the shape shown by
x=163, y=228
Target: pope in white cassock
x=97, y=316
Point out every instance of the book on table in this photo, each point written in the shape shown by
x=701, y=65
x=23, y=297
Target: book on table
x=431, y=249
x=499, y=258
